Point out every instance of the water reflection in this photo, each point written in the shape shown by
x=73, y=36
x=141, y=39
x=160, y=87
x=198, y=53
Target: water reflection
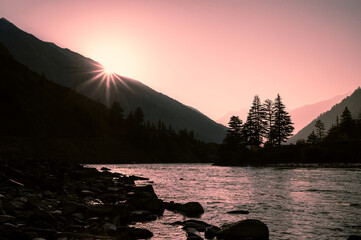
x=294, y=203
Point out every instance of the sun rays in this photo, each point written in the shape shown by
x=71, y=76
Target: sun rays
x=106, y=81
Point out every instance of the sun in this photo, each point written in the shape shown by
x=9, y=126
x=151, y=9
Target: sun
x=108, y=71
x=106, y=80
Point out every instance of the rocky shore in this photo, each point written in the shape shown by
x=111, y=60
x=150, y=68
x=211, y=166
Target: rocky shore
x=46, y=199
x=42, y=199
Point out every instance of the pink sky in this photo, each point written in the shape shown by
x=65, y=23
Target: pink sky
x=210, y=54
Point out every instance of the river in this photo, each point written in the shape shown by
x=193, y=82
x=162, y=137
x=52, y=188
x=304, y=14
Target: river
x=295, y=203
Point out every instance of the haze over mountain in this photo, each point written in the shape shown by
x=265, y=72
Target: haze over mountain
x=304, y=115
x=85, y=75
x=353, y=102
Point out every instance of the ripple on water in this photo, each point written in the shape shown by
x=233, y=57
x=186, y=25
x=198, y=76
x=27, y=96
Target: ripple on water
x=294, y=203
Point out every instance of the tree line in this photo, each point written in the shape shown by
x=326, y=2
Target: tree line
x=157, y=139
x=345, y=128
x=267, y=123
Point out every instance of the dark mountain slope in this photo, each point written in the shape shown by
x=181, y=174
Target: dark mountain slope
x=80, y=73
x=353, y=102
x=33, y=106
x=41, y=118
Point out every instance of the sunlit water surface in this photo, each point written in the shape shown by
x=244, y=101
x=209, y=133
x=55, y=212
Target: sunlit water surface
x=315, y=203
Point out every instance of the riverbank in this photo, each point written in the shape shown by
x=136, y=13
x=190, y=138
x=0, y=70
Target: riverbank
x=58, y=200
x=47, y=199
x=328, y=154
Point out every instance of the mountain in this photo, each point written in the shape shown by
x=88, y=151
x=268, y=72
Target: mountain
x=85, y=76
x=303, y=115
x=353, y=102
x=44, y=119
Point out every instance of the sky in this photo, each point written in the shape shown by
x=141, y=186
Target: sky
x=214, y=55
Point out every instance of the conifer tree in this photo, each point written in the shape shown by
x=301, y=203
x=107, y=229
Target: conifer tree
x=347, y=125
x=312, y=138
x=346, y=118
x=234, y=135
x=282, y=127
x=254, y=128
x=320, y=129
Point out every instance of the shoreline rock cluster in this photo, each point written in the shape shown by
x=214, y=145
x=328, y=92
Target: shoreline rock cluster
x=43, y=199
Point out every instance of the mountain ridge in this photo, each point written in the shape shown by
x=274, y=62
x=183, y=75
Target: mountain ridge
x=353, y=102
x=44, y=119
x=302, y=116
x=73, y=70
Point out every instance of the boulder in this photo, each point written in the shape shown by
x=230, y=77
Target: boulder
x=142, y=216
x=192, y=233
x=211, y=232
x=137, y=233
x=191, y=209
x=200, y=226
x=250, y=228
x=171, y=206
x=144, y=190
x=146, y=201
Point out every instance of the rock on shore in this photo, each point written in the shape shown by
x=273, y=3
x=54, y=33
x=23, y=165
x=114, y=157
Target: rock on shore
x=246, y=229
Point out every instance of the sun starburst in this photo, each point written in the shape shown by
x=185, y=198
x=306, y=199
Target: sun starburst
x=106, y=80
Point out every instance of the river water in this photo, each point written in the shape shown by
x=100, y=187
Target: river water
x=295, y=203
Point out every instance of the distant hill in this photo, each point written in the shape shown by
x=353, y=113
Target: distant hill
x=77, y=72
x=304, y=115
x=353, y=102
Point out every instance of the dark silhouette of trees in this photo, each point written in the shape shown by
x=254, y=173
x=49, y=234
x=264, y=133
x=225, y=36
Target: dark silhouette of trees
x=312, y=138
x=234, y=135
x=282, y=128
x=116, y=118
x=268, y=121
x=117, y=111
x=254, y=128
x=341, y=144
x=345, y=129
x=347, y=124
x=320, y=129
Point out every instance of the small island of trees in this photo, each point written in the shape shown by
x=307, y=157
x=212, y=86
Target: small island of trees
x=267, y=124
x=260, y=140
